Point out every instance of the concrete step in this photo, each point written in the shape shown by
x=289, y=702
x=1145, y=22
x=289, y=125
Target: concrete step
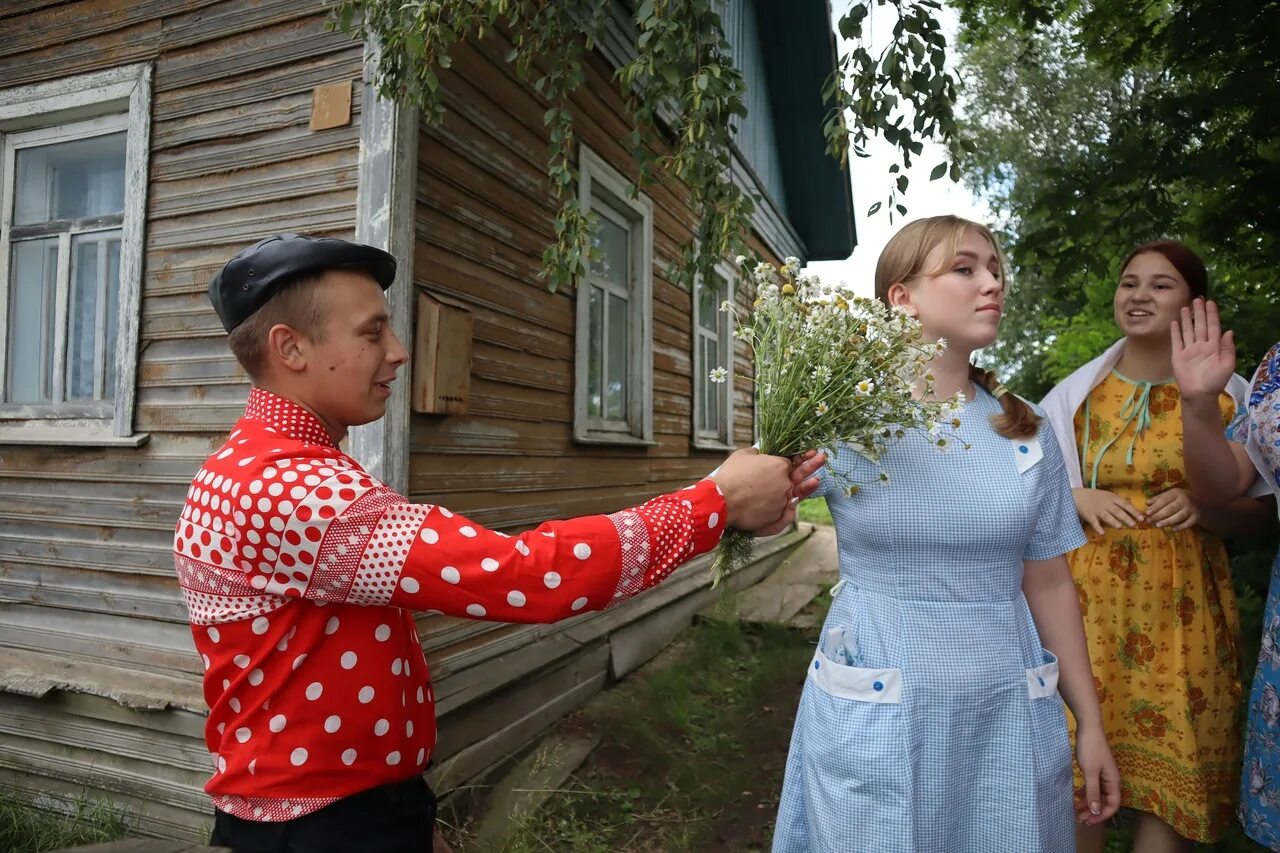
x=780, y=597
x=529, y=784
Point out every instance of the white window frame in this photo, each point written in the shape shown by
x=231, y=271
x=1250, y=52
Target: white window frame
x=46, y=113
x=604, y=191
x=723, y=438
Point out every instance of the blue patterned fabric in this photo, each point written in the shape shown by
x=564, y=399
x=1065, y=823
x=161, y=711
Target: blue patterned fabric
x=930, y=718
x=1260, y=783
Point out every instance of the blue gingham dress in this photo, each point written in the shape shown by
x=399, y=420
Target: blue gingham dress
x=930, y=719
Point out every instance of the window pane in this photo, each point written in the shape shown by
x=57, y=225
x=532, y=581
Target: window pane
x=595, y=353
x=29, y=354
x=710, y=390
x=609, y=251
x=709, y=299
x=616, y=376
x=70, y=180
x=90, y=326
x=113, y=313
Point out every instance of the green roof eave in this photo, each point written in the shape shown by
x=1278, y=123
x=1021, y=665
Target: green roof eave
x=800, y=56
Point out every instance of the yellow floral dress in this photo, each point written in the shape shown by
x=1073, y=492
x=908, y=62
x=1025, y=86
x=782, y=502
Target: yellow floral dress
x=1160, y=617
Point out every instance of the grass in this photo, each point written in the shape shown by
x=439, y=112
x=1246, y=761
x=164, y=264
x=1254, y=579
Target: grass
x=814, y=511
x=692, y=751
x=62, y=822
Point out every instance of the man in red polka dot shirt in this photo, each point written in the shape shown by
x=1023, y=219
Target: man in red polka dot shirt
x=300, y=571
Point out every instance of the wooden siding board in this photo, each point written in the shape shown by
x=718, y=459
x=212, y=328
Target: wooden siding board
x=244, y=225
x=94, y=589
x=444, y=476
x=204, y=21
x=106, y=639
x=519, y=301
x=256, y=49
x=77, y=56
x=11, y=9
x=48, y=773
x=233, y=92
x=275, y=181
x=236, y=153
x=48, y=27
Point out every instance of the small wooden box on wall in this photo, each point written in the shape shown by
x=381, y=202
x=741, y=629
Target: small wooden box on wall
x=441, y=357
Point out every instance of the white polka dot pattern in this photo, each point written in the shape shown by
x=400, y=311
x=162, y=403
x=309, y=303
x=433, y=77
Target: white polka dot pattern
x=299, y=570
x=259, y=534
x=383, y=559
x=633, y=533
x=338, y=576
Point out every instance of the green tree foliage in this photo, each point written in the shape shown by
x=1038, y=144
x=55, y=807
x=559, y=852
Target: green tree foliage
x=902, y=92
x=684, y=93
x=682, y=72
x=1093, y=127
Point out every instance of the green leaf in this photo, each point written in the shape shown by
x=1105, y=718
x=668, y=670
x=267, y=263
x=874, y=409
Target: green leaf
x=871, y=211
x=938, y=171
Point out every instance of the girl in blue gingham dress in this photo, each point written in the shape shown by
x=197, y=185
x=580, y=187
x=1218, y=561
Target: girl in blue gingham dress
x=931, y=719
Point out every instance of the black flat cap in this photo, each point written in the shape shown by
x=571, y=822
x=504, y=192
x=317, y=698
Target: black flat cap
x=248, y=280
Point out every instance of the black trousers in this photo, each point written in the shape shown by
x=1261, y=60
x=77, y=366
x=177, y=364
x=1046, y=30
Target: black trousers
x=395, y=818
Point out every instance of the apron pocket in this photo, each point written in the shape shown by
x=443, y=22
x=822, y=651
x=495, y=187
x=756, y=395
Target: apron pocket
x=857, y=778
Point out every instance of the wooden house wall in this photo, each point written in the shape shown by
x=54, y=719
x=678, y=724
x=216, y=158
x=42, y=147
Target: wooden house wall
x=484, y=214
x=88, y=598
x=99, y=686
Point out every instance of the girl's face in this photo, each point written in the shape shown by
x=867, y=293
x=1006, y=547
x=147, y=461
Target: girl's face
x=1150, y=295
x=964, y=302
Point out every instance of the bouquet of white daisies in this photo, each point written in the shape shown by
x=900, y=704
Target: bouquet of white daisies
x=830, y=370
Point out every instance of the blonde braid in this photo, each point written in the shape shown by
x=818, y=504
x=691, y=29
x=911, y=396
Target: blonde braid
x=1017, y=419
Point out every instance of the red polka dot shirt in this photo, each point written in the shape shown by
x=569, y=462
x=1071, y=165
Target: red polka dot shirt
x=300, y=572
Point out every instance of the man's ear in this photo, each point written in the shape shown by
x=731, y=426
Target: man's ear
x=287, y=347
x=899, y=296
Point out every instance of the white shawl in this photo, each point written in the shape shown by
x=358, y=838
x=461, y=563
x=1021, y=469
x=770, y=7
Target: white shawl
x=1062, y=403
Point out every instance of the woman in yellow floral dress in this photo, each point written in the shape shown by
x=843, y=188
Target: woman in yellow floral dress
x=1155, y=587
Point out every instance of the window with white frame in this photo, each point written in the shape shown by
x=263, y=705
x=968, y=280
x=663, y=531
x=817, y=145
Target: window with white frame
x=713, y=362
x=613, y=400
x=73, y=164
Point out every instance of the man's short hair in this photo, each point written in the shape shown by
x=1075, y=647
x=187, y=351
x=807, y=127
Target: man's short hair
x=296, y=304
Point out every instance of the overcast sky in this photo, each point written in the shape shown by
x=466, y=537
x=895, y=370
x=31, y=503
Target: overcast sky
x=871, y=181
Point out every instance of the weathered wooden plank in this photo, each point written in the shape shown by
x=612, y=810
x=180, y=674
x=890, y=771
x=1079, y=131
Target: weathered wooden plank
x=244, y=225
x=140, y=845
x=13, y=8
x=513, y=716
x=108, y=589
x=531, y=371
x=77, y=56
x=275, y=181
x=227, y=18
x=129, y=550
x=236, y=153
x=230, y=93
x=494, y=222
x=48, y=778
x=256, y=49
x=526, y=300
x=92, y=637
x=470, y=681
x=188, y=410
x=436, y=228
x=183, y=362
x=443, y=475
x=283, y=111
x=57, y=25
x=174, y=722
x=171, y=459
